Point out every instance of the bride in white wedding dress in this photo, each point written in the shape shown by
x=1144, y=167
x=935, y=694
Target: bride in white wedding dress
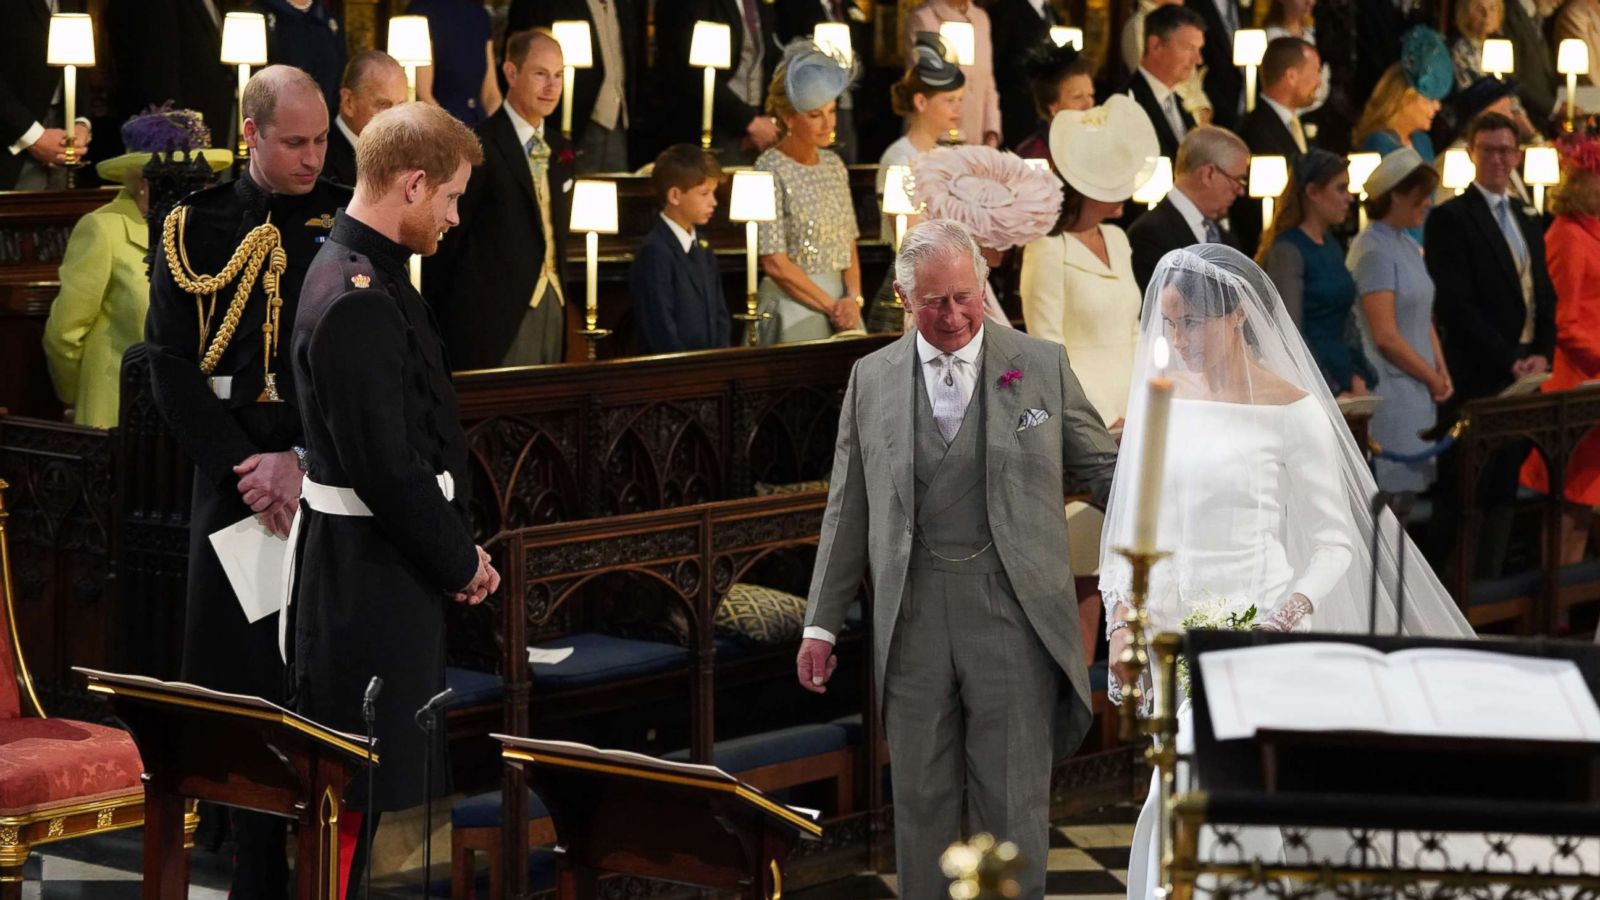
x=1265, y=499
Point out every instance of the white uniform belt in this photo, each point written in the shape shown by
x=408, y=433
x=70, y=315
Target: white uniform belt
x=221, y=385
x=342, y=501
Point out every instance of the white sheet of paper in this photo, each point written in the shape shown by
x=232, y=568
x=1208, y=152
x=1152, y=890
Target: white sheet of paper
x=1497, y=695
x=1307, y=686
x=252, y=558
x=539, y=656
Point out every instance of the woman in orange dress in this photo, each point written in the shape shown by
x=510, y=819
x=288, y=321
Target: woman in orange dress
x=1572, y=251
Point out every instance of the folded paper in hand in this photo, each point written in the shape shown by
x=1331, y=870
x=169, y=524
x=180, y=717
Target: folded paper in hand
x=252, y=558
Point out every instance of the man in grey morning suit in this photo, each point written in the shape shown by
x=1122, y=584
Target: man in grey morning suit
x=956, y=447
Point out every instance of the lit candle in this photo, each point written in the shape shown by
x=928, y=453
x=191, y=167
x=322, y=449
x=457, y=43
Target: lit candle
x=705, y=107
x=69, y=87
x=1152, y=458
x=750, y=268
x=591, y=264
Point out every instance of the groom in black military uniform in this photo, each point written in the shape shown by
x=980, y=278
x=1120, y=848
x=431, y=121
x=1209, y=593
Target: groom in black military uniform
x=383, y=539
x=223, y=295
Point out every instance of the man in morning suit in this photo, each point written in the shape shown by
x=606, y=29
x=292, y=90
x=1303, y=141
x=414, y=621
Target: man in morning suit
x=603, y=95
x=1291, y=75
x=372, y=83
x=496, y=281
x=677, y=290
x=1173, y=38
x=228, y=394
x=1208, y=177
x=384, y=540
x=956, y=445
x=1223, y=81
x=1495, y=308
x=740, y=128
x=30, y=129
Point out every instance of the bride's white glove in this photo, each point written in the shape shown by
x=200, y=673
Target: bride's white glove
x=1287, y=616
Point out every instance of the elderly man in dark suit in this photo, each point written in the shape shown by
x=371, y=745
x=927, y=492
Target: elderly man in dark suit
x=1208, y=177
x=497, y=280
x=373, y=82
x=1173, y=39
x=603, y=95
x=1291, y=74
x=29, y=126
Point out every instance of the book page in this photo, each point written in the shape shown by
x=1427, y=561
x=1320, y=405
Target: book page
x=1476, y=693
x=1311, y=686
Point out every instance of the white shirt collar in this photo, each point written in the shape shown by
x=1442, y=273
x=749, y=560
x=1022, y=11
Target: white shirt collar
x=344, y=128
x=521, y=126
x=1190, y=212
x=1161, y=91
x=927, y=352
x=1491, y=196
x=1284, y=112
x=1038, y=7
x=686, y=238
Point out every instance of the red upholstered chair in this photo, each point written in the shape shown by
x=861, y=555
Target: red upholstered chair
x=59, y=779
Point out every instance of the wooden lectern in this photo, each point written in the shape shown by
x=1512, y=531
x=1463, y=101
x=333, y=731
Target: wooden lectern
x=237, y=751
x=638, y=815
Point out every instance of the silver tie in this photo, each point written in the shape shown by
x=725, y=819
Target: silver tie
x=948, y=408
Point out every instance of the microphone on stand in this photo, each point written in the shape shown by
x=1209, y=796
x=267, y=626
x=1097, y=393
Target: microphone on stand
x=428, y=721
x=1404, y=502
x=369, y=712
x=1380, y=501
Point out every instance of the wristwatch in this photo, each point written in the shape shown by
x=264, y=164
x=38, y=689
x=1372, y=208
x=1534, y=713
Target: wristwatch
x=300, y=457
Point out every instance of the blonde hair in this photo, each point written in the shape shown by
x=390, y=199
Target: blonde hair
x=1390, y=96
x=1578, y=194
x=272, y=84
x=409, y=137
x=778, y=103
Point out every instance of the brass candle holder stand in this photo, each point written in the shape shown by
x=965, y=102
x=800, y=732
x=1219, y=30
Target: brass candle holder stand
x=752, y=319
x=591, y=338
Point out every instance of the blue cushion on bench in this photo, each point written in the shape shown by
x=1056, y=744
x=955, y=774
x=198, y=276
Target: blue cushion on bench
x=772, y=747
x=601, y=658
x=472, y=688
x=483, y=811
x=1580, y=572
x=1506, y=587
x=855, y=734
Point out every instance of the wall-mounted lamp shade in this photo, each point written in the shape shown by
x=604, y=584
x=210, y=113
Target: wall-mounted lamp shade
x=1572, y=57
x=1541, y=165
x=1062, y=36
x=1158, y=185
x=409, y=41
x=711, y=46
x=1249, y=46
x=1498, y=57
x=961, y=41
x=244, y=39
x=573, y=36
x=834, y=39
x=897, y=192
x=594, y=206
x=1269, y=175
x=755, y=197
x=1457, y=171
x=1361, y=168
x=71, y=41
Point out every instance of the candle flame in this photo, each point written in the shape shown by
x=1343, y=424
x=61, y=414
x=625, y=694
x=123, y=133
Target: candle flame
x=1158, y=355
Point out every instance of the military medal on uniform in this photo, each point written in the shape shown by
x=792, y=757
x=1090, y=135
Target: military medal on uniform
x=262, y=245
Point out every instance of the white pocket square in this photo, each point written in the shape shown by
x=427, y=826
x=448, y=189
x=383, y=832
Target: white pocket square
x=1031, y=418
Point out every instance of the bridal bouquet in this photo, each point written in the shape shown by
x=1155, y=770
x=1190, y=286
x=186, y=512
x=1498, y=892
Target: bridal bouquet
x=1214, y=614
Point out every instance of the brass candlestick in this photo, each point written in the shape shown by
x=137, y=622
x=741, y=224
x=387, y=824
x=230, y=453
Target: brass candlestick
x=591, y=338
x=752, y=319
x=1136, y=658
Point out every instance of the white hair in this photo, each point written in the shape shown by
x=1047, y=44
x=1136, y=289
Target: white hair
x=934, y=239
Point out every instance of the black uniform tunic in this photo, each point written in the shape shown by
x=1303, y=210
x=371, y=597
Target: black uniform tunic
x=222, y=650
x=380, y=418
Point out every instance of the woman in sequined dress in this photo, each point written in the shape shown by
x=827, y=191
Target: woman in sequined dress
x=812, y=283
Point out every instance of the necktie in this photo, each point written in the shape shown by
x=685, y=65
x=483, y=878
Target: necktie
x=1213, y=233
x=539, y=170
x=948, y=408
x=752, y=19
x=1298, y=133
x=1508, y=227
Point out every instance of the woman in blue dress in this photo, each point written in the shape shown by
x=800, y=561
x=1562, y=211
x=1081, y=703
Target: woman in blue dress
x=1397, y=313
x=1306, y=263
x=461, y=79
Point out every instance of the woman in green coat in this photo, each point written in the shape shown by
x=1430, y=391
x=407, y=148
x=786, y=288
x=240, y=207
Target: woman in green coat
x=104, y=292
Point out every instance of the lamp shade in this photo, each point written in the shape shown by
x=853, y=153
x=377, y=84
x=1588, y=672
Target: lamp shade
x=1498, y=57
x=1249, y=46
x=1158, y=185
x=71, y=41
x=594, y=206
x=755, y=197
x=1572, y=57
x=1361, y=167
x=1458, y=170
x=710, y=47
x=897, y=192
x=244, y=39
x=834, y=39
x=1269, y=175
x=962, y=41
x=1062, y=36
x=573, y=36
x=409, y=41
x=1541, y=165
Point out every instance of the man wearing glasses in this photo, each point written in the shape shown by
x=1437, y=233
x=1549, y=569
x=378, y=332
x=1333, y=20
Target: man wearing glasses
x=1209, y=176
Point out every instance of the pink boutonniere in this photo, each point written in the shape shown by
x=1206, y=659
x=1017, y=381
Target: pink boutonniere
x=1010, y=378
x=565, y=156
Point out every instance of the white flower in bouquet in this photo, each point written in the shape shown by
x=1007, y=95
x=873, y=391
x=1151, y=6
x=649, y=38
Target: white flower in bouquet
x=1213, y=613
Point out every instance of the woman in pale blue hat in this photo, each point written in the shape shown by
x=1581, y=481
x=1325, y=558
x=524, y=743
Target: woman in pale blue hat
x=812, y=283
x=104, y=292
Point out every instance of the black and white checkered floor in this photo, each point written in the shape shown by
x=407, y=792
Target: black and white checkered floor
x=1088, y=861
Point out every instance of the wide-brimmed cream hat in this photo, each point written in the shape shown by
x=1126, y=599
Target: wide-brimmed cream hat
x=162, y=129
x=1105, y=153
x=1391, y=170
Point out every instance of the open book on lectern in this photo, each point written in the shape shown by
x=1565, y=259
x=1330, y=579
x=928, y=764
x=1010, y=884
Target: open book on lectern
x=1316, y=686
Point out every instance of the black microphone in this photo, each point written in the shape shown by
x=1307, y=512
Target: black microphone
x=428, y=721
x=369, y=700
x=426, y=713
x=1380, y=502
x=1404, y=502
x=369, y=712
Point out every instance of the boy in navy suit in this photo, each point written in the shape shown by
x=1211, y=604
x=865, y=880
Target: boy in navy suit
x=677, y=291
